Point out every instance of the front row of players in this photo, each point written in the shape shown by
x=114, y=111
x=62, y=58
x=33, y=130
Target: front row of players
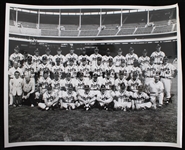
x=124, y=96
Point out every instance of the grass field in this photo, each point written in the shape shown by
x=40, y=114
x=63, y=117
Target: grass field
x=32, y=124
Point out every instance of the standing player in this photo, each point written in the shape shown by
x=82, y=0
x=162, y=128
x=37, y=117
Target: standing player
x=59, y=56
x=120, y=80
x=12, y=70
x=168, y=71
x=144, y=59
x=130, y=57
x=58, y=67
x=71, y=56
x=93, y=57
x=117, y=59
x=64, y=83
x=135, y=68
x=158, y=56
x=81, y=81
x=44, y=66
x=110, y=68
x=108, y=81
x=16, y=56
x=86, y=98
x=107, y=57
x=84, y=67
x=71, y=68
x=156, y=91
x=36, y=63
x=48, y=56
x=28, y=68
x=55, y=83
x=123, y=68
x=98, y=68
x=83, y=56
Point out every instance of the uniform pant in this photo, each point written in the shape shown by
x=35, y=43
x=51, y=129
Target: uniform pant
x=17, y=99
x=143, y=105
x=65, y=105
x=155, y=97
x=31, y=98
x=147, y=80
x=123, y=105
x=167, y=86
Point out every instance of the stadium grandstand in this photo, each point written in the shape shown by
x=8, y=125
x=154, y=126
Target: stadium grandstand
x=92, y=22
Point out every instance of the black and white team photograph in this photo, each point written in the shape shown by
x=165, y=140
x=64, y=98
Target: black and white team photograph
x=92, y=75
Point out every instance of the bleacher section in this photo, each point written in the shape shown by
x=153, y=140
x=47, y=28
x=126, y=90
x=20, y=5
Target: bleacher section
x=163, y=29
x=88, y=32
x=69, y=27
x=89, y=27
x=28, y=24
x=111, y=26
x=108, y=32
x=49, y=32
x=11, y=23
x=144, y=30
x=160, y=23
x=133, y=25
x=48, y=26
x=126, y=31
x=69, y=33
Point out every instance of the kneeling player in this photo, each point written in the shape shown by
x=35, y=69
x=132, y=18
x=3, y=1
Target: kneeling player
x=50, y=99
x=142, y=99
x=122, y=100
x=68, y=98
x=105, y=98
x=86, y=98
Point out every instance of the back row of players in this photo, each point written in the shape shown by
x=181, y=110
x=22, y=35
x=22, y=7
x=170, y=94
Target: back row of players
x=95, y=73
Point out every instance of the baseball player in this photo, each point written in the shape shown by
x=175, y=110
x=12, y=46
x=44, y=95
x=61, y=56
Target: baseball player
x=156, y=91
x=68, y=98
x=98, y=68
x=86, y=98
x=117, y=59
x=28, y=68
x=120, y=80
x=16, y=85
x=50, y=99
x=64, y=83
x=25, y=59
x=84, y=67
x=110, y=68
x=58, y=67
x=36, y=59
x=71, y=56
x=83, y=56
x=44, y=66
x=135, y=68
x=80, y=82
x=15, y=67
x=108, y=81
x=93, y=57
x=59, y=56
x=71, y=68
x=16, y=56
x=123, y=68
x=107, y=57
x=29, y=90
x=130, y=57
x=142, y=100
x=55, y=83
x=167, y=72
x=144, y=59
x=121, y=98
x=49, y=57
x=105, y=98
x=134, y=82
x=158, y=56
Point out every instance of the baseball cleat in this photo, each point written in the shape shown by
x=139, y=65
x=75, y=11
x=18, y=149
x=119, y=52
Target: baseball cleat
x=32, y=105
x=47, y=108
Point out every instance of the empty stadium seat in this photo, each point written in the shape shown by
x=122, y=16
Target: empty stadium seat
x=108, y=32
x=88, y=32
x=144, y=30
x=49, y=32
x=133, y=25
x=69, y=33
x=126, y=31
x=28, y=24
x=89, y=27
x=48, y=26
x=69, y=27
x=163, y=29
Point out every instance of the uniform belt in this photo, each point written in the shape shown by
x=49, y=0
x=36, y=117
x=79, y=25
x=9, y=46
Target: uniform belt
x=166, y=77
x=158, y=63
x=149, y=76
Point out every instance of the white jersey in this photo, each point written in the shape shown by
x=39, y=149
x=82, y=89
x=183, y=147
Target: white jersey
x=79, y=84
x=158, y=57
x=117, y=60
x=105, y=59
x=134, y=69
x=155, y=88
x=28, y=70
x=83, y=56
x=73, y=56
x=134, y=84
x=12, y=70
x=44, y=82
x=110, y=69
x=72, y=70
x=98, y=69
x=120, y=81
x=36, y=59
x=130, y=58
x=167, y=70
x=150, y=70
x=58, y=68
x=125, y=71
x=123, y=96
x=49, y=97
x=104, y=96
x=85, y=70
x=96, y=85
x=45, y=67
x=68, y=97
x=65, y=83
x=144, y=60
x=55, y=84
x=16, y=57
x=108, y=82
x=141, y=97
x=93, y=58
x=86, y=96
x=49, y=58
x=62, y=58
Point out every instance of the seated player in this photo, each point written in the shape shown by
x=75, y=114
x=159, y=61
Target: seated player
x=58, y=67
x=105, y=98
x=36, y=59
x=120, y=80
x=43, y=83
x=156, y=91
x=49, y=57
x=130, y=57
x=83, y=56
x=80, y=82
x=86, y=98
x=28, y=68
x=98, y=68
x=144, y=59
x=123, y=68
x=107, y=57
x=108, y=81
x=59, y=56
x=64, y=83
x=93, y=57
x=12, y=70
x=68, y=98
x=44, y=66
x=109, y=67
x=29, y=90
x=71, y=68
x=50, y=99
x=84, y=67
x=135, y=68
x=16, y=56
x=71, y=56
x=134, y=83
x=117, y=59
x=16, y=85
x=55, y=83
x=142, y=100
x=122, y=98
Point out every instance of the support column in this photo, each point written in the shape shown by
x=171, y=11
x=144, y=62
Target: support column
x=80, y=20
x=16, y=17
x=59, y=22
x=148, y=17
x=121, y=20
x=38, y=25
x=100, y=18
